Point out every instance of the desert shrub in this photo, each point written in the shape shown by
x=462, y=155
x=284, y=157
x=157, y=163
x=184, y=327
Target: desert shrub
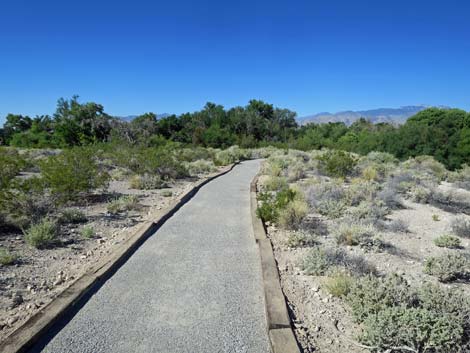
x=368, y=212
x=448, y=241
x=119, y=174
x=72, y=173
x=390, y=198
x=230, y=155
x=320, y=261
x=352, y=233
x=420, y=194
x=426, y=167
x=370, y=295
x=194, y=154
x=449, y=200
x=417, y=329
x=327, y=199
x=401, y=181
x=381, y=157
x=123, y=204
x=274, y=183
x=461, y=177
x=394, y=314
x=295, y=172
x=461, y=227
x=147, y=182
x=6, y=257
x=435, y=218
x=397, y=226
x=167, y=193
x=11, y=164
x=271, y=204
x=26, y=202
x=337, y=163
x=200, y=167
x=448, y=267
x=360, y=191
x=301, y=239
x=331, y=209
x=370, y=173
x=339, y=283
x=87, y=232
x=292, y=214
x=71, y=216
x=42, y=235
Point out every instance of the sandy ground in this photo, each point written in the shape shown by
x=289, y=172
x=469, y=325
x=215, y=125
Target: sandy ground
x=322, y=322
x=40, y=275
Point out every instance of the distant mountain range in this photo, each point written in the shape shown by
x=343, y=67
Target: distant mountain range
x=381, y=115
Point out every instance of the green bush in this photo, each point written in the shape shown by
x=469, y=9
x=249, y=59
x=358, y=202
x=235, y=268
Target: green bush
x=123, y=204
x=42, y=235
x=11, y=164
x=339, y=283
x=72, y=173
x=271, y=204
x=87, y=232
x=230, y=155
x=72, y=216
x=275, y=183
x=448, y=267
x=352, y=233
x=147, y=182
x=200, y=167
x=6, y=257
x=337, y=163
x=448, y=241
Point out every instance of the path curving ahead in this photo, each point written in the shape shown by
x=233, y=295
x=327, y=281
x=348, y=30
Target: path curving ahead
x=194, y=286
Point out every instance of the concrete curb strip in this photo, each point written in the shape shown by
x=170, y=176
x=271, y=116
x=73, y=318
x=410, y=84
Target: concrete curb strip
x=25, y=336
x=280, y=332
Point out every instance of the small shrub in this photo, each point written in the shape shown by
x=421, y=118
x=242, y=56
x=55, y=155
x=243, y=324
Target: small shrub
x=87, y=232
x=72, y=216
x=337, y=163
x=271, y=205
x=447, y=241
x=200, y=167
x=398, y=226
x=292, y=214
x=413, y=328
x=295, y=172
x=390, y=198
x=339, y=283
x=167, y=193
x=435, y=218
x=352, y=233
x=421, y=194
x=230, y=155
x=460, y=227
x=42, y=235
x=274, y=183
x=6, y=257
x=368, y=212
x=448, y=267
x=123, y=204
x=300, y=239
x=370, y=173
x=331, y=209
x=147, y=182
x=319, y=261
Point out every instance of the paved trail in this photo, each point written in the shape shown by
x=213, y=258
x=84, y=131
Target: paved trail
x=194, y=286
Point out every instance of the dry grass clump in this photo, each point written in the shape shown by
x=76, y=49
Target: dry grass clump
x=291, y=216
x=6, y=257
x=147, y=182
x=123, y=204
x=200, y=167
x=339, y=283
x=42, y=235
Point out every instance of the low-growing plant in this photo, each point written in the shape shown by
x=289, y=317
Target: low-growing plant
x=42, y=235
x=331, y=209
x=200, y=167
x=72, y=216
x=301, y=239
x=292, y=214
x=275, y=183
x=421, y=194
x=123, y=204
x=352, y=233
x=448, y=267
x=368, y=212
x=167, y=193
x=370, y=173
x=320, y=261
x=397, y=226
x=147, y=182
x=448, y=241
x=7, y=257
x=435, y=218
x=339, y=283
x=461, y=227
x=87, y=232
x=272, y=204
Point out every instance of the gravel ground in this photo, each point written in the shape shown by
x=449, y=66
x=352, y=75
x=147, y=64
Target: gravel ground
x=195, y=286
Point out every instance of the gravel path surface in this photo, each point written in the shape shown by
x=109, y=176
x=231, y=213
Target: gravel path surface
x=195, y=286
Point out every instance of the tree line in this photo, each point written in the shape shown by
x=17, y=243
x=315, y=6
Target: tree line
x=442, y=133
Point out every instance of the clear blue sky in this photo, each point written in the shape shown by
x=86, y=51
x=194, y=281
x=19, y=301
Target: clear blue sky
x=173, y=56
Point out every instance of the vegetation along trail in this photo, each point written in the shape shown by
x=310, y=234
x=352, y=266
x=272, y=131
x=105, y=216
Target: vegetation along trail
x=195, y=286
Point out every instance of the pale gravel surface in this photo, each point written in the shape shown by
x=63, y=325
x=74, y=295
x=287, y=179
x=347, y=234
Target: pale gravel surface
x=194, y=286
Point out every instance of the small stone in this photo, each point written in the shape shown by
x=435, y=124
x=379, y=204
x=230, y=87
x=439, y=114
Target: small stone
x=326, y=300
x=12, y=320
x=317, y=328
